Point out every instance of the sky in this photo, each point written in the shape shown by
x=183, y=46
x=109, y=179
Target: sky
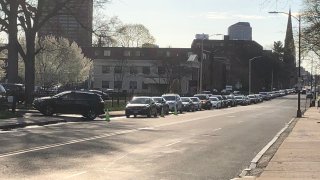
x=174, y=23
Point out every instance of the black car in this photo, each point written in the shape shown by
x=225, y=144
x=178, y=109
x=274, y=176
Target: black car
x=161, y=103
x=4, y=104
x=88, y=104
x=103, y=95
x=188, y=104
x=205, y=102
x=141, y=106
x=17, y=90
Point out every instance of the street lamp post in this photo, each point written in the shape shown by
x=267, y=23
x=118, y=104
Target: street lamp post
x=250, y=60
x=203, y=37
x=299, y=114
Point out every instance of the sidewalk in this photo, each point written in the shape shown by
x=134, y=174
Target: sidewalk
x=34, y=117
x=298, y=157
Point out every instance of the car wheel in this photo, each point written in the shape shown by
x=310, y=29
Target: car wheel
x=91, y=114
x=128, y=115
x=48, y=110
x=167, y=111
x=135, y=115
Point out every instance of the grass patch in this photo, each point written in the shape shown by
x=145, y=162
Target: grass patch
x=115, y=106
x=8, y=114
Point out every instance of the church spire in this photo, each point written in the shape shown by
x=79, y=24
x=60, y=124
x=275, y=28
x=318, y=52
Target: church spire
x=289, y=56
x=289, y=47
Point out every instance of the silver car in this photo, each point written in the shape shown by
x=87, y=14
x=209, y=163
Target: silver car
x=196, y=102
x=174, y=102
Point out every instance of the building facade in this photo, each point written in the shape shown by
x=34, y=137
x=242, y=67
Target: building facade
x=240, y=31
x=73, y=22
x=226, y=63
x=144, y=71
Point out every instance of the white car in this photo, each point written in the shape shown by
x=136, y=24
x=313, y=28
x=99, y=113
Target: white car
x=216, y=103
x=196, y=102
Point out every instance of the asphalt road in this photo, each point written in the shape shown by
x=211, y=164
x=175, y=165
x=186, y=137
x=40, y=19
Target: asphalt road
x=215, y=144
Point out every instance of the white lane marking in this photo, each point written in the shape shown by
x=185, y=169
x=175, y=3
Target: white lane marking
x=176, y=142
x=107, y=135
x=68, y=177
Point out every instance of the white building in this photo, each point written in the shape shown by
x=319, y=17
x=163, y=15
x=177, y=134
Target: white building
x=240, y=31
x=143, y=71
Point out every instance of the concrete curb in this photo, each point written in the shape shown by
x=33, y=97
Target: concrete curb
x=262, y=152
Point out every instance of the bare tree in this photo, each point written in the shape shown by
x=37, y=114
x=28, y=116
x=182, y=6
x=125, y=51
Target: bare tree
x=31, y=18
x=134, y=35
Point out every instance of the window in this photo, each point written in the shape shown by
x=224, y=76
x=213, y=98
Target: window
x=133, y=84
x=138, y=53
x=146, y=70
x=106, y=52
x=105, y=69
x=97, y=52
x=133, y=70
x=117, y=84
x=126, y=53
x=105, y=84
x=117, y=69
x=144, y=86
x=168, y=53
x=161, y=70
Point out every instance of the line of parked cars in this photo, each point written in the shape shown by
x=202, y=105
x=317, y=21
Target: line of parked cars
x=90, y=104
x=153, y=106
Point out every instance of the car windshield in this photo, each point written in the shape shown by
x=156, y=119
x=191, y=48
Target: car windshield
x=195, y=99
x=158, y=100
x=61, y=94
x=251, y=96
x=201, y=97
x=185, y=99
x=140, y=100
x=169, y=98
x=238, y=97
x=213, y=99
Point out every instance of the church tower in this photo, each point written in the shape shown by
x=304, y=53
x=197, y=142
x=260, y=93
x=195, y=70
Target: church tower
x=290, y=56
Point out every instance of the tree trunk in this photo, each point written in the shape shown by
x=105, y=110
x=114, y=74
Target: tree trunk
x=30, y=67
x=12, y=68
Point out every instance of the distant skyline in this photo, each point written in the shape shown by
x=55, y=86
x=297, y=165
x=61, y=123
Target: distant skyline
x=174, y=23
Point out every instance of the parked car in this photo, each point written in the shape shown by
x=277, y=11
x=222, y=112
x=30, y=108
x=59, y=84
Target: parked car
x=141, y=106
x=103, y=95
x=174, y=102
x=188, y=104
x=241, y=100
x=231, y=101
x=252, y=99
x=224, y=103
x=17, y=90
x=88, y=104
x=4, y=104
x=204, y=99
x=161, y=103
x=196, y=102
x=265, y=95
x=216, y=103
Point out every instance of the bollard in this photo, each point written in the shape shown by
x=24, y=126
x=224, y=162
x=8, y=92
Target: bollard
x=107, y=117
x=175, y=110
x=162, y=112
